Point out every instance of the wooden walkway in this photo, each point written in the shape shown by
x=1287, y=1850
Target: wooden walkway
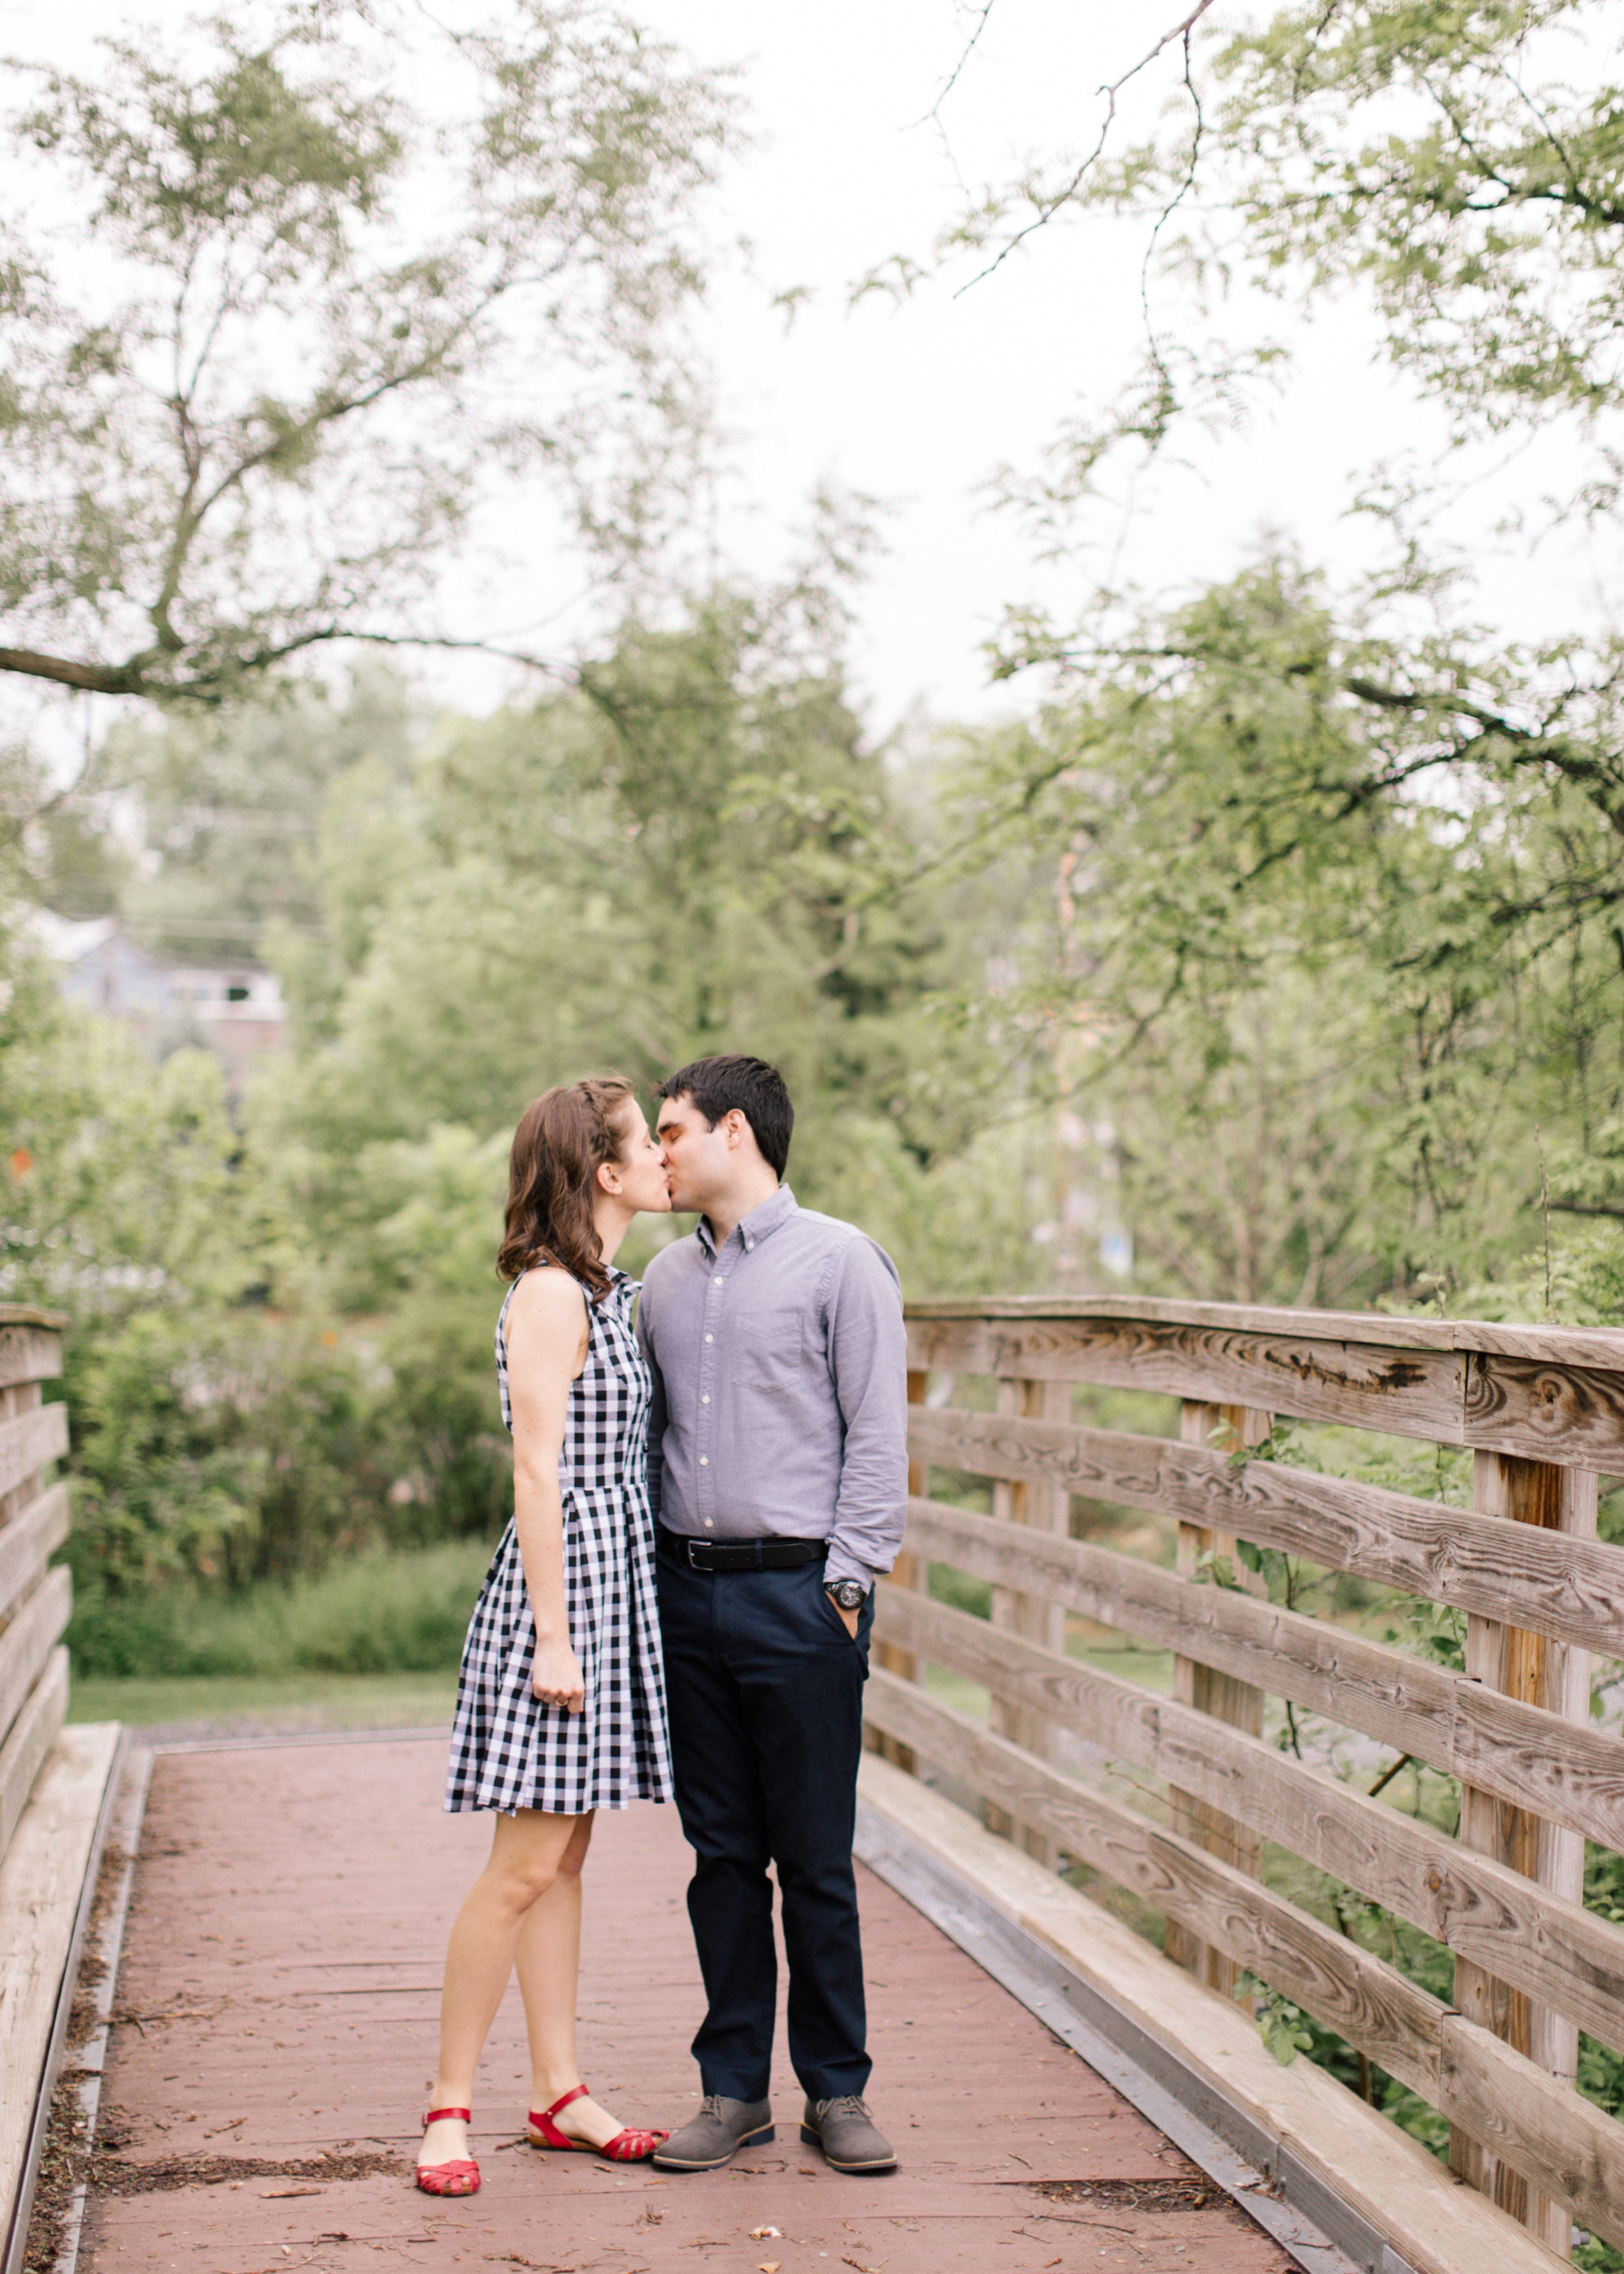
x=275, y=2017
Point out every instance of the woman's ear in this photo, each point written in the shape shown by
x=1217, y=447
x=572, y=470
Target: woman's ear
x=608, y=1176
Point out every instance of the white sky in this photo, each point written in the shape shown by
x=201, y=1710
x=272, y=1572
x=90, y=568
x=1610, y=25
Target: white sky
x=918, y=405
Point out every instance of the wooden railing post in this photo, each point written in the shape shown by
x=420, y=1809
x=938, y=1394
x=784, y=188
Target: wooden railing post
x=1220, y=1695
x=1045, y=1508
x=1557, y=1675
x=912, y=1572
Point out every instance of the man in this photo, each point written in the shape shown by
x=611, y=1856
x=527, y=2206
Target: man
x=778, y=1462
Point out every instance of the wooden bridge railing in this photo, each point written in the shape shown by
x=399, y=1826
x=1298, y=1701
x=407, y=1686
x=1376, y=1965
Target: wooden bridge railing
x=1543, y=1412
x=34, y=1601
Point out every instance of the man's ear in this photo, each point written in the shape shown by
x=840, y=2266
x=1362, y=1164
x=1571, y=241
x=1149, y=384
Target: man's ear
x=737, y=1125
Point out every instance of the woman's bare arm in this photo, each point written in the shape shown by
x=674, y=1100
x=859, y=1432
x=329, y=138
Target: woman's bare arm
x=547, y=1336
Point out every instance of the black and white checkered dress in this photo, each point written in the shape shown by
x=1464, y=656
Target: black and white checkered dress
x=508, y=1750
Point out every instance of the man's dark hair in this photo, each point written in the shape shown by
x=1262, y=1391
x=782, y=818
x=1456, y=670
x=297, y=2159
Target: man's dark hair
x=717, y=1086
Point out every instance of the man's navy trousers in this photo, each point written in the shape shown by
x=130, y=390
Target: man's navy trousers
x=765, y=1691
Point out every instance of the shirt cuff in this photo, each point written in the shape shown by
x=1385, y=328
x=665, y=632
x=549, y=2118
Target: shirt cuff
x=839, y=1565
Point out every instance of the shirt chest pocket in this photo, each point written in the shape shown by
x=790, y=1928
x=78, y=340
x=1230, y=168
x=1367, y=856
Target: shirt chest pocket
x=769, y=1343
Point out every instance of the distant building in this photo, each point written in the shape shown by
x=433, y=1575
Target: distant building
x=234, y=1009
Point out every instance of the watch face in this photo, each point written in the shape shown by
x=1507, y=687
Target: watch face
x=848, y=1594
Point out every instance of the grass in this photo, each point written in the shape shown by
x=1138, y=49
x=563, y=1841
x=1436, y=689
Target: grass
x=401, y=1612
x=242, y=1704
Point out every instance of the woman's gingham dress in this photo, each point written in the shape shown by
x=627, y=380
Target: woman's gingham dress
x=508, y=1749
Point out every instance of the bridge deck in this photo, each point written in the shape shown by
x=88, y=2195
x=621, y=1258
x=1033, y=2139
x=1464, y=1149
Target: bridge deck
x=276, y=2005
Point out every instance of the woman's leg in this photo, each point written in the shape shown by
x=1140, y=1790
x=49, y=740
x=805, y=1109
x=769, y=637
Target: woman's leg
x=549, y=1964
x=527, y=1852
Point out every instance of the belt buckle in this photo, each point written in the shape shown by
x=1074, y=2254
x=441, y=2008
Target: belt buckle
x=692, y=1545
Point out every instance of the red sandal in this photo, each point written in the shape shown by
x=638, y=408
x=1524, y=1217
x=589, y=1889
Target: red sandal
x=459, y=2178
x=626, y=2147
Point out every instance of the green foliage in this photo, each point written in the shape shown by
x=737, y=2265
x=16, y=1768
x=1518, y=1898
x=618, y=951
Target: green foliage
x=376, y=1613
x=960, y=1591
x=283, y=1303
x=301, y=316
x=1285, y=2029
x=1348, y=952
x=1444, y=158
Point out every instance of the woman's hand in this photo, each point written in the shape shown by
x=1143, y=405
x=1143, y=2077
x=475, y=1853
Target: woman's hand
x=556, y=1677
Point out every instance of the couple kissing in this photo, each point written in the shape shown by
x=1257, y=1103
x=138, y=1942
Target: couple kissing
x=679, y=1607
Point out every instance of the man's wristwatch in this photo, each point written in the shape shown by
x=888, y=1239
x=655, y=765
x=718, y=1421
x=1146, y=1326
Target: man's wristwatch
x=851, y=1595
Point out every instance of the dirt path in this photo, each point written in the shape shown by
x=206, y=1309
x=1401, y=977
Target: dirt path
x=277, y=2002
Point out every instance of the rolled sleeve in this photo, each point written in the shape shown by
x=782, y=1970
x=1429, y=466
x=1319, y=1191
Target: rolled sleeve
x=868, y=1360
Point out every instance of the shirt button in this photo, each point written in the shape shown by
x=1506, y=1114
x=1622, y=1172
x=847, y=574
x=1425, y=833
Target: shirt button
x=707, y=1524
x=704, y=1401
x=710, y=1338
x=715, y=1283
x=703, y=1463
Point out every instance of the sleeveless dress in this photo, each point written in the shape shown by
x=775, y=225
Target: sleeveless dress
x=508, y=1750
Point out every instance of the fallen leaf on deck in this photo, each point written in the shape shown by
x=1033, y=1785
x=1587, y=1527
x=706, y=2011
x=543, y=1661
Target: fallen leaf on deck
x=765, y=2234
x=768, y=2266
x=277, y=2195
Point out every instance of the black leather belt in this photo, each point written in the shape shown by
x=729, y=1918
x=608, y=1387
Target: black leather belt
x=741, y=1555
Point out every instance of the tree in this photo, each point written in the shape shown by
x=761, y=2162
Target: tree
x=299, y=325
x=1337, y=961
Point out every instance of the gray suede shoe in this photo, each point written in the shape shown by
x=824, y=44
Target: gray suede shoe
x=850, y=2139
x=713, y=2137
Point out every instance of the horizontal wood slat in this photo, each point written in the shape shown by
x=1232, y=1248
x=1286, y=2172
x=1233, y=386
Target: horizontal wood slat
x=1373, y=2007
x=1503, y=1402
x=1571, y=1772
x=32, y=1734
x=1393, y=2022
x=1560, y=2143
x=1414, y=1393
x=1556, y=1951
x=27, y=1440
x=27, y=1642
x=29, y=1354
x=26, y=1541
x=1573, y=1589
x=1598, y=1347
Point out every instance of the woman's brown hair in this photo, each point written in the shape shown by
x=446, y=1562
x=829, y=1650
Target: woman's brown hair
x=560, y=1144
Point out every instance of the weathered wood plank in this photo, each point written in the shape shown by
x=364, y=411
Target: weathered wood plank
x=29, y=1354
x=1210, y=1689
x=27, y=1540
x=1554, y=1950
x=41, y=1878
x=1571, y=1589
x=32, y=1734
x=27, y=1642
x=1601, y=1348
x=27, y=1440
x=1570, y=1416
x=1042, y=1508
x=1415, y=1393
x=1388, y=2018
x=1557, y=2144
x=908, y=1571
x=1569, y=1772
x=1407, y=2198
x=1531, y=1667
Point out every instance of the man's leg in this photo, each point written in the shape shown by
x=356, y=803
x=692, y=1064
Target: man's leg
x=720, y=1801
x=800, y=1678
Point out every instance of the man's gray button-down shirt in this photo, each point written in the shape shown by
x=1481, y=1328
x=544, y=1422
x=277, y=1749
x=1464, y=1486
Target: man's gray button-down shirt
x=780, y=1387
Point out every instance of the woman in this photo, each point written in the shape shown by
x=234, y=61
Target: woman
x=561, y=1705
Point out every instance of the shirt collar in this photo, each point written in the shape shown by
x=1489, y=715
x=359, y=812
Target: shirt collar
x=759, y=1224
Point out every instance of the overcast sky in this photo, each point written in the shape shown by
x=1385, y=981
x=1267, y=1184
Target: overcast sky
x=918, y=405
